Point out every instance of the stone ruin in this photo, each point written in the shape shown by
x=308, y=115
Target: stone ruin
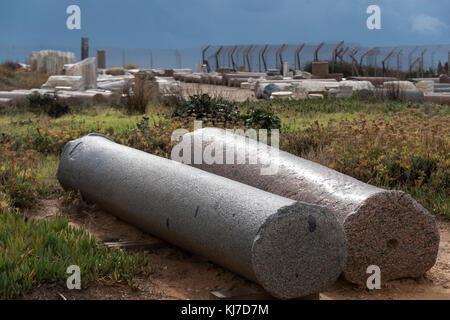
x=87, y=69
x=299, y=84
x=80, y=82
x=51, y=62
x=273, y=84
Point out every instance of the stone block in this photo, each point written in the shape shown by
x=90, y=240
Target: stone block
x=75, y=83
x=50, y=61
x=87, y=69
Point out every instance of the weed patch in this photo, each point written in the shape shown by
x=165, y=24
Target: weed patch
x=33, y=253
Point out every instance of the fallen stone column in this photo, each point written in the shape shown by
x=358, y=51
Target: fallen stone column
x=416, y=80
x=265, y=90
x=441, y=98
x=237, y=82
x=425, y=86
x=76, y=83
x=399, y=85
x=217, y=80
x=105, y=85
x=184, y=70
x=442, y=90
x=116, y=71
x=442, y=87
x=388, y=229
x=15, y=97
x=292, y=249
x=179, y=75
x=357, y=85
x=108, y=78
x=342, y=92
x=262, y=81
x=105, y=96
x=443, y=78
x=317, y=84
x=77, y=97
x=406, y=95
x=209, y=78
x=4, y=102
x=169, y=86
x=193, y=77
x=376, y=81
x=227, y=77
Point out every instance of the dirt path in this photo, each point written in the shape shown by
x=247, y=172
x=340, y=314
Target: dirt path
x=181, y=275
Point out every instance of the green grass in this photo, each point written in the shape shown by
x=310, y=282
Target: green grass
x=46, y=169
x=33, y=253
x=20, y=121
x=23, y=122
x=294, y=121
x=302, y=113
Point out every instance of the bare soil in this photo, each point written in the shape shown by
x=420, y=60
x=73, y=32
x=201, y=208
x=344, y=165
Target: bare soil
x=181, y=275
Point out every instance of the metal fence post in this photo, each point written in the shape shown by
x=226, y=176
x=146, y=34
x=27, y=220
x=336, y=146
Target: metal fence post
x=84, y=48
x=101, y=59
x=448, y=64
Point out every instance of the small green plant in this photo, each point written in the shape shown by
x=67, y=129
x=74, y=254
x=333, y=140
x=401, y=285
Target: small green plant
x=20, y=185
x=143, y=124
x=33, y=253
x=204, y=107
x=261, y=119
x=47, y=104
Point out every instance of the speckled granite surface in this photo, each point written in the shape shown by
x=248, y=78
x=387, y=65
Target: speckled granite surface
x=384, y=228
x=292, y=249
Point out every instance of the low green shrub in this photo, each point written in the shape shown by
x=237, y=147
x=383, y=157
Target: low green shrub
x=261, y=119
x=33, y=253
x=20, y=185
x=47, y=104
x=207, y=109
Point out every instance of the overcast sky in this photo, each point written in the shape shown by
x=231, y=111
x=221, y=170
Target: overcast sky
x=193, y=23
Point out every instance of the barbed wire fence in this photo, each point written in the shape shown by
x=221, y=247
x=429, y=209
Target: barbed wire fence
x=364, y=61
x=361, y=60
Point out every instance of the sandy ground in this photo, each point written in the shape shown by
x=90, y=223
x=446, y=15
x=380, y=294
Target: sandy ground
x=181, y=275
